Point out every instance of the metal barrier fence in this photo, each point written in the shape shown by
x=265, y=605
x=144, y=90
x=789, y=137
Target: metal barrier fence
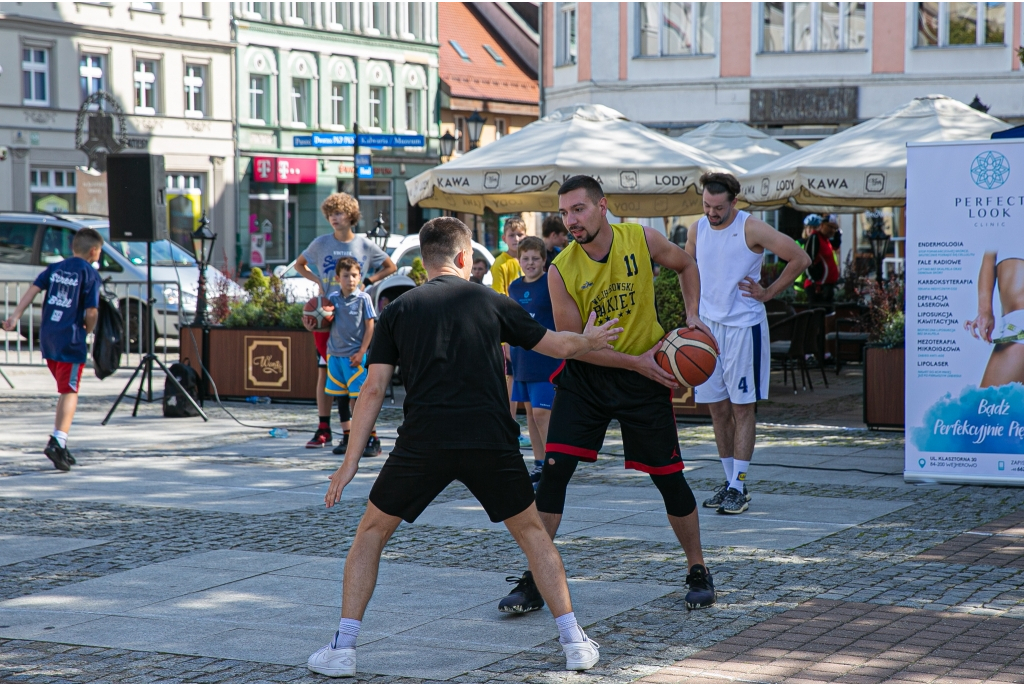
x=21, y=346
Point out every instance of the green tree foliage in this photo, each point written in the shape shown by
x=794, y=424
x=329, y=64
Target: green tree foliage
x=418, y=274
x=669, y=300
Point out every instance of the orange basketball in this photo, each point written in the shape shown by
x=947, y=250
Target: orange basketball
x=319, y=311
x=689, y=354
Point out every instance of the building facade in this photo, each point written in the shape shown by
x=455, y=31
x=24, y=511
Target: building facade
x=169, y=68
x=488, y=68
x=798, y=70
x=318, y=67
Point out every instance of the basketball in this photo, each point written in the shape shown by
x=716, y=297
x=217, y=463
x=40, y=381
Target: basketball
x=319, y=312
x=689, y=354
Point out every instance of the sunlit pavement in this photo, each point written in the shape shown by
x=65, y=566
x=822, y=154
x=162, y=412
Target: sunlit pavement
x=179, y=550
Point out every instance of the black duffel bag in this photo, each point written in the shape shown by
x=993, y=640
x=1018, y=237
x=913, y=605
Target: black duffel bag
x=176, y=405
x=108, y=339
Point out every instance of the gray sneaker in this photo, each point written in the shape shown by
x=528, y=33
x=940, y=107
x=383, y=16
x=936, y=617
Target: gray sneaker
x=735, y=502
x=716, y=500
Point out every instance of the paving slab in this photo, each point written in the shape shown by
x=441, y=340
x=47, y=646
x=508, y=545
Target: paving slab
x=15, y=548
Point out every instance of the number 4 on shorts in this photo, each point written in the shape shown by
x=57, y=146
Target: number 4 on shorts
x=743, y=384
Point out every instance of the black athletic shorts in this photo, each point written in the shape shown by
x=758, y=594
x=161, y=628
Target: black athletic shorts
x=589, y=397
x=498, y=479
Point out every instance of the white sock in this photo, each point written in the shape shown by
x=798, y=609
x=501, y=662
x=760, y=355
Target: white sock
x=348, y=632
x=739, y=474
x=727, y=465
x=568, y=629
x=62, y=437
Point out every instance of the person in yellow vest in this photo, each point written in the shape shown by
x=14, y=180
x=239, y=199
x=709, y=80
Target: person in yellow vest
x=608, y=271
x=505, y=270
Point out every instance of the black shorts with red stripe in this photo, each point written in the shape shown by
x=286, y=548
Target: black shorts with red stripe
x=588, y=397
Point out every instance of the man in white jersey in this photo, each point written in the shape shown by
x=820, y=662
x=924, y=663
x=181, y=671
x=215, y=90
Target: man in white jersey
x=729, y=246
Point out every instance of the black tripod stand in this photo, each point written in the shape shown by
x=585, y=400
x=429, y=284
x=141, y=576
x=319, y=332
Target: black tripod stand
x=145, y=366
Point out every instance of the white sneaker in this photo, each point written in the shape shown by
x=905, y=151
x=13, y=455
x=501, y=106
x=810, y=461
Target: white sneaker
x=579, y=656
x=336, y=663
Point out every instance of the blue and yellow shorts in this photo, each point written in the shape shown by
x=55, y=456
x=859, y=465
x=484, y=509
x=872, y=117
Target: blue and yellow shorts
x=343, y=378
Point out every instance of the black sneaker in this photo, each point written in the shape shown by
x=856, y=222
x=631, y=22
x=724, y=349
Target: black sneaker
x=372, y=447
x=702, y=588
x=57, y=455
x=342, y=444
x=524, y=598
x=322, y=438
x=68, y=458
x=716, y=500
x=735, y=502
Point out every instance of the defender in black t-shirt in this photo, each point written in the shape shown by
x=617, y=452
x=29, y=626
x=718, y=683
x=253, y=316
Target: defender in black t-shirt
x=448, y=334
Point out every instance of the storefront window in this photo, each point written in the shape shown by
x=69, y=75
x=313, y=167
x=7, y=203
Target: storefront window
x=184, y=207
x=268, y=227
x=53, y=190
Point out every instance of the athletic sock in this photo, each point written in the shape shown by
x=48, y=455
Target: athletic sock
x=727, y=465
x=739, y=474
x=568, y=629
x=325, y=423
x=348, y=632
x=62, y=437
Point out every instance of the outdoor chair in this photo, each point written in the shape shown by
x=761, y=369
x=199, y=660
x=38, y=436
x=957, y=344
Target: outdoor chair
x=845, y=334
x=777, y=311
x=787, y=338
x=814, y=344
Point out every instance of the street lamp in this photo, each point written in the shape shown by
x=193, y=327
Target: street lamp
x=202, y=245
x=447, y=144
x=879, y=240
x=379, y=233
x=475, y=124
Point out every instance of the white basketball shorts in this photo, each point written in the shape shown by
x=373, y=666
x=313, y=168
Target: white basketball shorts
x=744, y=365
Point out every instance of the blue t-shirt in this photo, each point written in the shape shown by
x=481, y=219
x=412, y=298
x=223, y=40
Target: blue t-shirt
x=71, y=287
x=530, y=366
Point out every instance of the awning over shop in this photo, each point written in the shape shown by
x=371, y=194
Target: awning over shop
x=643, y=173
x=864, y=166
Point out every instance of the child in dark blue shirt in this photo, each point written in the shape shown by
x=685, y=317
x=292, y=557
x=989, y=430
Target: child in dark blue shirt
x=70, y=310
x=531, y=382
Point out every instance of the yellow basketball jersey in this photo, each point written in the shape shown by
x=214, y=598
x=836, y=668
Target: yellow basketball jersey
x=620, y=286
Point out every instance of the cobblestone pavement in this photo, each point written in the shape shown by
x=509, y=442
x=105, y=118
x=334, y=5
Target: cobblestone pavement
x=950, y=557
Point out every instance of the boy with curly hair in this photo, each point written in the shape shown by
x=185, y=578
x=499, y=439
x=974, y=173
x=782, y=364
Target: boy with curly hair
x=317, y=263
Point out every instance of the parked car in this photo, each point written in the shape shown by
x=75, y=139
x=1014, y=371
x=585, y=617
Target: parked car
x=401, y=249
x=31, y=242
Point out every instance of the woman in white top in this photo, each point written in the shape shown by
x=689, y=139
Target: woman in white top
x=1006, y=266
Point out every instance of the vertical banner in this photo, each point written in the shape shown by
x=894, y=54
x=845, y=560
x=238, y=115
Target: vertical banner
x=965, y=313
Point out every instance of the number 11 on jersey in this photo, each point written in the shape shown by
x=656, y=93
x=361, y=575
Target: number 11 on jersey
x=631, y=270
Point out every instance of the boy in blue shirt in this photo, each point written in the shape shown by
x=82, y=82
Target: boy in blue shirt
x=70, y=311
x=532, y=378
x=351, y=333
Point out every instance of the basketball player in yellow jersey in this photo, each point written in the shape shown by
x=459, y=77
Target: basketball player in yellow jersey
x=608, y=271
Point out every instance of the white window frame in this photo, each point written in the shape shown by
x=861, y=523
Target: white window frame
x=344, y=22
x=296, y=97
x=695, y=47
x=295, y=11
x=413, y=110
x=195, y=90
x=264, y=96
x=371, y=27
x=500, y=129
x=36, y=174
x=412, y=16
x=141, y=79
x=980, y=26
x=339, y=104
x=252, y=10
x=789, y=29
x=382, y=103
x=566, y=35
x=461, y=139
x=35, y=68
x=92, y=72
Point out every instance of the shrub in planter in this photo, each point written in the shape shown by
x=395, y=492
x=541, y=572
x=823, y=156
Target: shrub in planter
x=266, y=305
x=668, y=300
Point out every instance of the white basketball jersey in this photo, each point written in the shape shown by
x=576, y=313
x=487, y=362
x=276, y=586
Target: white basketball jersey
x=724, y=260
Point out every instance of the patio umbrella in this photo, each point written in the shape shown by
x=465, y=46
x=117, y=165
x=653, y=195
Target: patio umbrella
x=644, y=173
x=737, y=143
x=864, y=166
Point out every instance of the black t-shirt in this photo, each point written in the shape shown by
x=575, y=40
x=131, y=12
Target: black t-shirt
x=446, y=333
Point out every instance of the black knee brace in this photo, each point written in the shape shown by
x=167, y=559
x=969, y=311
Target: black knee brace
x=674, y=489
x=558, y=469
x=343, y=412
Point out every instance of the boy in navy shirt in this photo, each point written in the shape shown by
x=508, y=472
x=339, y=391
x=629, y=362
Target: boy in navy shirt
x=532, y=379
x=70, y=311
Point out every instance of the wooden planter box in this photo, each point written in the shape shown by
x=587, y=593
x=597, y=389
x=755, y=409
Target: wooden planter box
x=683, y=404
x=266, y=362
x=884, y=382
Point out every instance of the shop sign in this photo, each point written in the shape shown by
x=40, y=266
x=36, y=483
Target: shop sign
x=267, y=363
x=371, y=140
x=283, y=170
x=377, y=170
